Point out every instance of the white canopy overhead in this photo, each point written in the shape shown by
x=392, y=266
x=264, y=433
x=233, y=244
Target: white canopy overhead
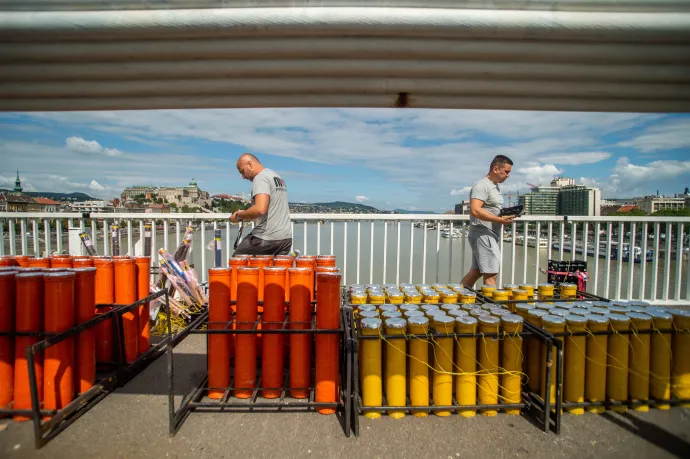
x=580, y=55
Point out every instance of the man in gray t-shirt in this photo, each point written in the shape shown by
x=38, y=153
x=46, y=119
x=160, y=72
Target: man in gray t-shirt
x=272, y=233
x=486, y=202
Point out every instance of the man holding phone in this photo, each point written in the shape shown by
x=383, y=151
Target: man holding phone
x=272, y=233
x=486, y=223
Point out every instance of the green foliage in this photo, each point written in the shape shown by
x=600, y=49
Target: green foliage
x=227, y=206
x=631, y=213
x=672, y=213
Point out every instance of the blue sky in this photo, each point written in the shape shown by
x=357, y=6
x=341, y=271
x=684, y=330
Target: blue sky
x=410, y=158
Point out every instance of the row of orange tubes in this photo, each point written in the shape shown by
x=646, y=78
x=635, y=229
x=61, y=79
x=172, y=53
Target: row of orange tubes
x=52, y=295
x=238, y=290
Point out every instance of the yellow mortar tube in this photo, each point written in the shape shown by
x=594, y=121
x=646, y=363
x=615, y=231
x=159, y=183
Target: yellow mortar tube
x=488, y=355
x=574, y=359
x=568, y=291
x=488, y=290
x=501, y=295
x=680, y=381
x=443, y=364
x=468, y=297
x=617, y=362
x=396, y=370
x=595, y=365
x=511, y=361
x=370, y=366
x=660, y=358
x=419, y=361
x=638, y=375
x=466, y=365
x=545, y=291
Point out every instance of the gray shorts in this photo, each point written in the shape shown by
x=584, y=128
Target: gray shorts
x=486, y=253
x=252, y=245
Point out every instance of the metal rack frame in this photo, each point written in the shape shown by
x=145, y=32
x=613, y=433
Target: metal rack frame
x=196, y=400
x=109, y=376
x=560, y=337
x=530, y=400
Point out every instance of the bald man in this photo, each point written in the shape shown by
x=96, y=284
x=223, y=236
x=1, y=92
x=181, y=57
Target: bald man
x=272, y=233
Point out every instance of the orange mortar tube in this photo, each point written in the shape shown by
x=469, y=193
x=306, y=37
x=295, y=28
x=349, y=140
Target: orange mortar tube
x=61, y=262
x=58, y=316
x=308, y=261
x=236, y=262
x=39, y=262
x=23, y=260
x=85, y=301
x=285, y=261
x=300, y=344
x=7, y=305
x=219, y=283
x=261, y=263
x=325, y=260
x=8, y=260
x=327, y=346
x=273, y=350
x=126, y=293
x=143, y=269
x=105, y=294
x=82, y=262
x=247, y=315
x=323, y=269
x=28, y=318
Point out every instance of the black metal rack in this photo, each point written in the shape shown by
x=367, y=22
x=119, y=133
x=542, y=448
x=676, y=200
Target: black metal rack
x=198, y=401
x=560, y=337
x=530, y=400
x=558, y=342
x=109, y=375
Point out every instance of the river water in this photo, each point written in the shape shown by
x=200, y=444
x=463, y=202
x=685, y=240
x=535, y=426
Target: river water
x=446, y=262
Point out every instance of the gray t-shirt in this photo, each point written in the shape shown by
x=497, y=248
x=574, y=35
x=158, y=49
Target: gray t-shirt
x=275, y=225
x=489, y=192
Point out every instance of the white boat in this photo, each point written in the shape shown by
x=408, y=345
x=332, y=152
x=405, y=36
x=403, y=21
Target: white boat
x=456, y=233
x=532, y=242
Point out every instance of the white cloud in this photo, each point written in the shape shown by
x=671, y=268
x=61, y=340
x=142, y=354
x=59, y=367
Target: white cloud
x=395, y=145
x=361, y=198
x=461, y=192
x=576, y=158
x=670, y=135
x=535, y=174
x=89, y=147
x=94, y=185
x=7, y=182
x=628, y=179
x=633, y=178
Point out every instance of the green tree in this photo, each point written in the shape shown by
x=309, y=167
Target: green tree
x=186, y=209
x=631, y=213
x=672, y=213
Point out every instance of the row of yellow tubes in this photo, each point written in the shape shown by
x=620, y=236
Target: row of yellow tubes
x=616, y=367
x=475, y=366
x=596, y=367
x=461, y=295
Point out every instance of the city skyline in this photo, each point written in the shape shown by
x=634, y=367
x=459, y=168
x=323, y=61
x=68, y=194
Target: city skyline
x=386, y=158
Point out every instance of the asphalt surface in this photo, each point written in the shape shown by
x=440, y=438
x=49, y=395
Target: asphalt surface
x=133, y=422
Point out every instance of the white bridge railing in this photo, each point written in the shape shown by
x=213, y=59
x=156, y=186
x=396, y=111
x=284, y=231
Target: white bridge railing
x=385, y=248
